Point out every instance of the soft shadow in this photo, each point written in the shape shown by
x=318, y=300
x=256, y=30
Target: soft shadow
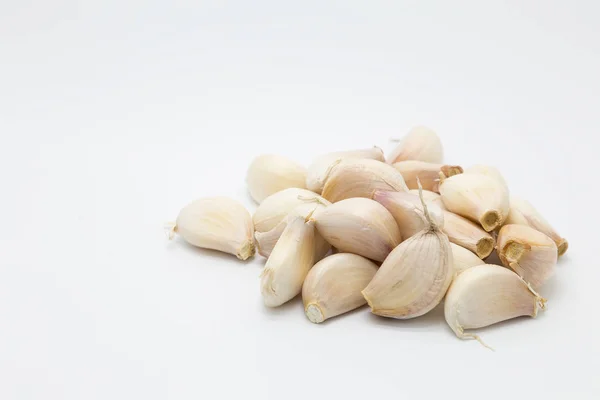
x=291, y=306
x=493, y=258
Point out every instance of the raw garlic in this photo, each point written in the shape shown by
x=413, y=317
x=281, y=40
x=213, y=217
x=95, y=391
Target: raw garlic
x=430, y=197
x=467, y=234
x=487, y=170
x=270, y=173
x=333, y=286
x=289, y=263
x=428, y=173
x=420, y=144
x=217, y=223
x=361, y=178
x=463, y=259
x=360, y=226
x=530, y=253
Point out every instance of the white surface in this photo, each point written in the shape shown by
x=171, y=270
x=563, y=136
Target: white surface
x=113, y=115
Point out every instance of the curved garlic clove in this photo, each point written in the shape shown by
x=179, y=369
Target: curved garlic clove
x=217, y=223
x=428, y=173
x=467, y=234
x=360, y=226
x=289, y=263
x=269, y=174
x=333, y=286
x=488, y=171
x=318, y=171
x=463, y=259
x=487, y=294
x=530, y=253
x=420, y=144
x=477, y=197
x=361, y=178
x=414, y=278
x=523, y=213
x=407, y=210
x=277, y=206
x=430, y=197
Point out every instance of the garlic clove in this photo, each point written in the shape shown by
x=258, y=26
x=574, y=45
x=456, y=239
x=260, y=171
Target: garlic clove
x=467, y=234
x=430, y=197
x=487, y=294
x=289, y=263
x=414, y=278
x=463, y=259
x=488, y=171
x=523, y=213
x=217, y=223
x=361, y=178
x=360, y=226
x=428, y=173
x=530, y=253
x=269, y=174
x=333, y=286
x=477, y=197
x=276, y=207
x=420, y=144
x=321, y=167
x=407, y=210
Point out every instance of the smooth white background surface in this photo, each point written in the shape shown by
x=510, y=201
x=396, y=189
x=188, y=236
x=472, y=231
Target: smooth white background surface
x=114, y=115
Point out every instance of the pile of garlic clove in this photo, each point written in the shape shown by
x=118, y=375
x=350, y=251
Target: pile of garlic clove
x=401, y=234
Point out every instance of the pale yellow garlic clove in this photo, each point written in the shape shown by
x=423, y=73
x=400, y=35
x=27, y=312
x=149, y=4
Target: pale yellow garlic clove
x=487, y=294
x=414, y=278
x=289, y=263
x=463, y=259
x=523, y=213
x=428, y=173
x=277, y=206
x=360, y=226
x=217, y=223
x=321, y=167
x=467, y=234
x=530, y=253
x=361, y=178
x=269, y=174
x=420, y=144
x=430, y=197
x=333, y=286
x=487, y=170
x=477, y=197
x=407, y=210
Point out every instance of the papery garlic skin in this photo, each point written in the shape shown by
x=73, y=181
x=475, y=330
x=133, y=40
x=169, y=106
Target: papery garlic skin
x=530, y=253
x=217, y=223
x=407, y=210
x=289, y=263
x=270, y=173
x=428, y=173
x=361, y=178
x=467, y=234
x=463, y=259
x=523, y=213
x=360, y=226
x=333, y=286
x=277, y=206
x=487, y=170
x=477, y=197
x=487, y=294
x=430, y=197
x=420, y=144
x=321, y=167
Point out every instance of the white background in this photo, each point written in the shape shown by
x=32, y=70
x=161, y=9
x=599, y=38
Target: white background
x=115, y=114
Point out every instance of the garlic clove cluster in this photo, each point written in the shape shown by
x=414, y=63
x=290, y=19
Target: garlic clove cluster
x=428, y=173
x=420, y=144
x=217, y=223
x=270, y=173
x=333, y=286
x=467, y=234
x=463, y=259
x=430, y=197
x=487, y=170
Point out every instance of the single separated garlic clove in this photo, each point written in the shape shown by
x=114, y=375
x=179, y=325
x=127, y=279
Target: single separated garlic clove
x=467, y=234
x=463, y=259
x=321, y=167
x=407, y=210
x=361, y=178
x=420, y=144
x=430, y=197
x=269, y=174
x=477, y=197
x=289, y=263
x=414, y=278
x=360, y=226
x=265, y=241
x=487, y=170
x=523, y=213
x=333, y=286
x=217, y=223
x=530, y=253
x=428, y=173
x=487, y=294
x=277, y=206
